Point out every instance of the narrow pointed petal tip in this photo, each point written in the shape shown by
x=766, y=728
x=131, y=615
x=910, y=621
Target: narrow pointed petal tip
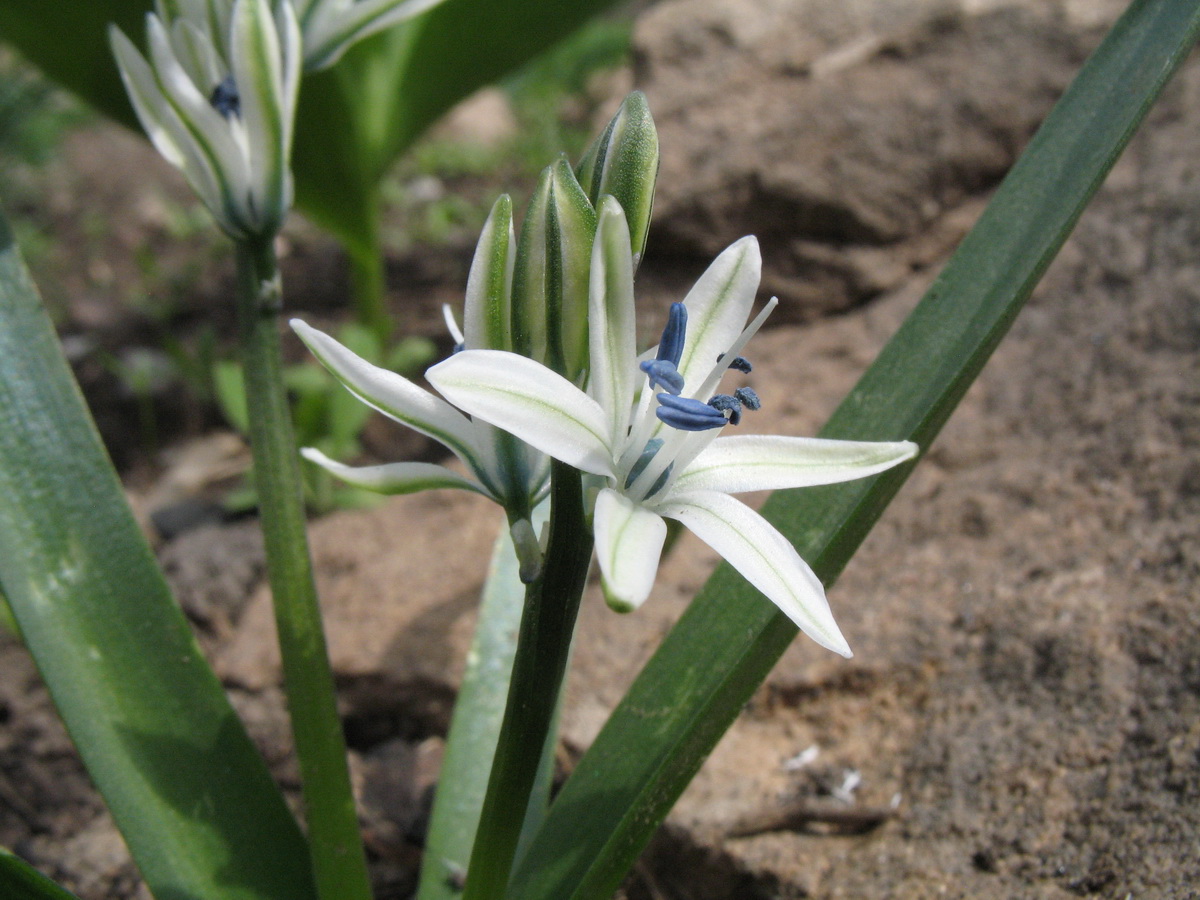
x=764, y=557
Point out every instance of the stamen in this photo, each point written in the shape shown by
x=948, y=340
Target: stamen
x=670, y=348
x=650, y=451
x=662, y=373
x=225, y=99
x=740, y=363
x=726, y=403
x=748, y=397
x=688, y=414
x=714, y=377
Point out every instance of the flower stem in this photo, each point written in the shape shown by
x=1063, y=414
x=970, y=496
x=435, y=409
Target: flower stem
x=543, y=647
x=339, y=864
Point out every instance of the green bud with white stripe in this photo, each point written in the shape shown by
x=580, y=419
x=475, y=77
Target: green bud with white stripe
x=623, y=163
x=550, y=283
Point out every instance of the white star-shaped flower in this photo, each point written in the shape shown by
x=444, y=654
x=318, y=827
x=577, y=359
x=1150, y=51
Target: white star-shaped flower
x=649, y=427
x=502, y=468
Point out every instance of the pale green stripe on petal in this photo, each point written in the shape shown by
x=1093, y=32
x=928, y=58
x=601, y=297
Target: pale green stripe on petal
x=392, y=394
x=394, y=478
x=764, y=557
x=530, y=401
x=258, y=72
x=759, y=462
x=718, y=306
x=166, y=129
x=611, y=311
x=629, y=542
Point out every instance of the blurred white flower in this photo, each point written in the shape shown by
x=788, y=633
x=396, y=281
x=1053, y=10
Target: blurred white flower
x=331, y=27
x=217, y=97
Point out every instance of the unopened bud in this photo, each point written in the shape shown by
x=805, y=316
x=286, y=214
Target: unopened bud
x=487, y=316
x=550, y=284
x=623, y=162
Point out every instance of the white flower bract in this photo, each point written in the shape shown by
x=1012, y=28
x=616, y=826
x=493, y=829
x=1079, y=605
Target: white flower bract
x=656, y=462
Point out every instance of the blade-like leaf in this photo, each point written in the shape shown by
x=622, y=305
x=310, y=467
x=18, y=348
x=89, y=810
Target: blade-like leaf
x=186, y=786
x=730, y=637
x=21, y=881
x=77, y=55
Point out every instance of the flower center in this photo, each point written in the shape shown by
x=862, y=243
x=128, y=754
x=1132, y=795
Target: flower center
x=657, y=457
x=225, y=98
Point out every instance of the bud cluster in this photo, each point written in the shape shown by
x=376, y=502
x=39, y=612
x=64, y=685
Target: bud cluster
x=537, y=294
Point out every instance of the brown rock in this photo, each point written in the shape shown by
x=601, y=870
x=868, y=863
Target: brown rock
x=843, y=134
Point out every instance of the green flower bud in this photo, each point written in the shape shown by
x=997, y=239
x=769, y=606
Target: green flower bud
x=488, y=309
x=550, y=285
x=623, y=162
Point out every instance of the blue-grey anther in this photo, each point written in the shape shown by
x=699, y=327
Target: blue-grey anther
x=663, y=370
x=225, y=98
x=748, y=397
x=662, y=373
x=648, y=453
x=740, y=363
x=726, y=403
x=688, y=414
x=671, y=345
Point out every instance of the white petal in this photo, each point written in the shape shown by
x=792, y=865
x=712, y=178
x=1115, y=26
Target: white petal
x=764, y=557
x=257, y=63
x=760, y=462
x=528, y=400
x=392, y=394
x=393, y=478
x=611, y=320
x=327, y=37
x=208, y=127
x=718, y=307
x=166, y=129
x=629, y=542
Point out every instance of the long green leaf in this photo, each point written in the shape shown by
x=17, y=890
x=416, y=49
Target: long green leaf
x=68, y=40
x=21, y=881
x=724, y=646
x=186, y=786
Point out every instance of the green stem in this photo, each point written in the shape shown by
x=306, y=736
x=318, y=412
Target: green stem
x=543, y=647
x=339, y=864
x=368, y=282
